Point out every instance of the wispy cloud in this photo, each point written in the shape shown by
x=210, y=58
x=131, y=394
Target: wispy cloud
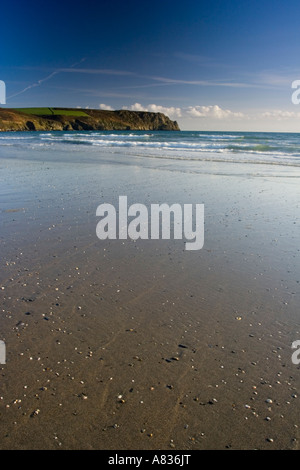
x=214, y=83
x=45, y=79
x=158, y=80
x=264, y=79
x=33, y=85
x=98, y=71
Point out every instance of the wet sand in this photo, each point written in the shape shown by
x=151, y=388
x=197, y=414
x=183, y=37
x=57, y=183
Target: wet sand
x=143, y=345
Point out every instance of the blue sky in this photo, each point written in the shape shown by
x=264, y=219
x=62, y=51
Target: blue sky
x=211, y=65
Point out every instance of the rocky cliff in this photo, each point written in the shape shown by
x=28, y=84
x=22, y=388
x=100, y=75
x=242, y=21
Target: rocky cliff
x=68, y=119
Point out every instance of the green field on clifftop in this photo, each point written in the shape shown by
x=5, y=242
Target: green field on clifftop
x=51, y=112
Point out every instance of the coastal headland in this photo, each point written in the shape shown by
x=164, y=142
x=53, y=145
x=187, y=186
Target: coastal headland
x=69, y=119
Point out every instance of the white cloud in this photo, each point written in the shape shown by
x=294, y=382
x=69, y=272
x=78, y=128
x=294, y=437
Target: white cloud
x=105, y=106
x=135, y=107
x=173, y=113
x=214, y=112
x=280, y=115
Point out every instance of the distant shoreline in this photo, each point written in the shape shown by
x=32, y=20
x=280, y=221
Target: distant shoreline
x=74, y=119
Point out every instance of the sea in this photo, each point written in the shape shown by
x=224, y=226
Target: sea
x=239, y=147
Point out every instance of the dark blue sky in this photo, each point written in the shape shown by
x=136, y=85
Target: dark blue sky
x=208, y=64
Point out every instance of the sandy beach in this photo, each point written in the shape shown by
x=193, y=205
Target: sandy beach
x=121, y=344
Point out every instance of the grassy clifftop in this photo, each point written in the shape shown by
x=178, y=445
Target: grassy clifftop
x=68, y=119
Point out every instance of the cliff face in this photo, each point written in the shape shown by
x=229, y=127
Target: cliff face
x=54, y=119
